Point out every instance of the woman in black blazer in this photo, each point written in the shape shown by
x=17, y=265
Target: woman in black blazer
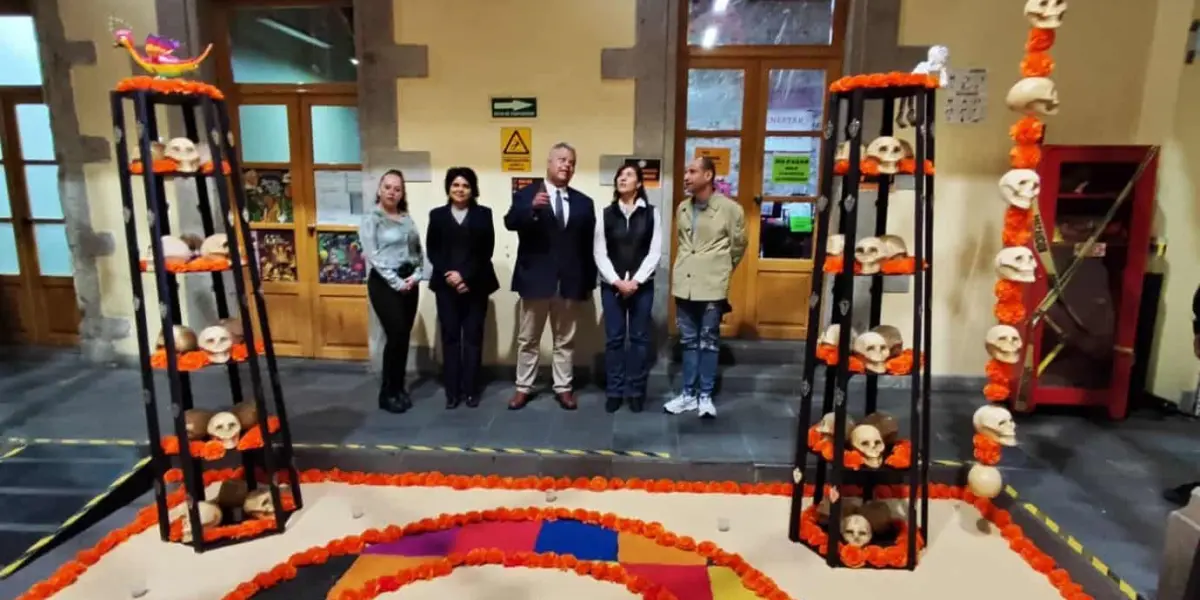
x=460, y=241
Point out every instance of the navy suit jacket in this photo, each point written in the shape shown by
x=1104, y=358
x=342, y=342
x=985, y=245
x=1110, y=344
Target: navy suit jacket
x=480, y=238
x=552, y=260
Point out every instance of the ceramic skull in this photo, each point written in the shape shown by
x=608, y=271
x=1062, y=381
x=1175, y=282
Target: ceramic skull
x=1046, y=14
x=1020, y=187
x=891, y=335
x=856, y=530
x=888, y=426
x=825, y=426
x=984, y=481
x=1003, y=342
x=174, y=249
x=888, y=151
x=843, y=151
x=893, y=246
x=868, y=252
x=184, y=152
x=835, y=245
x=224, y=426
x=873, y=349
x=1033, y=96
x=996, y=423
x=867, y=440
x=217, y=342
x=183, y=337
x=258, y=504
x=1016, y=263
x=215, y=245
x=210, y=516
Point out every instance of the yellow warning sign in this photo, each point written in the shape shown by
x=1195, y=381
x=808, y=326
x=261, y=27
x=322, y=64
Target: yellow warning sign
x=516, y=155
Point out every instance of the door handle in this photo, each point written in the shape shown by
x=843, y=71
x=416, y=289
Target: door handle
x=758, y=200
x=312, y=229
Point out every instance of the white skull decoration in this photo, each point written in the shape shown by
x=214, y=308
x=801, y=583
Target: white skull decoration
x=868, y=252
x=258, y=504
x=892, y=246
x=210, y=515
x=225, y=427
x=873, y=349
x=832, y=334
x=1020, y=187
x=217, y=342
x=888, y=151
x=174, y=249
x=1016, y=263
x=1003, y=342
x=184, y=152
x=1033, y=96
x=996, y=423
x=825, y=426
x=1046, y=14
x=184, y=339
x=856, y=530
x=867, y=440
x=984, y=481
x=215, y=245
x=835, y=245
x=843, y=151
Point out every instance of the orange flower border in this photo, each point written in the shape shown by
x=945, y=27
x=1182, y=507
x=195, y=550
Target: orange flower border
x=600, y=571
x=901, y=365
x=200, y=264
x=170, y=166
x=877, y=81
x=1026, y=153
x=251, y=527
x=899, y=457
x=869, y=167
x=198, y=359
x=901, y=265
x=211, y=450
x=67, y=574
x=183, y=87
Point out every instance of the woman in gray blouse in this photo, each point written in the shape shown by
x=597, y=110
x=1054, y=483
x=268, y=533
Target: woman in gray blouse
x=392, y=245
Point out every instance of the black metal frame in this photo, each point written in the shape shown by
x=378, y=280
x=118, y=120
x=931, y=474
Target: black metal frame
x=837, y=377
x=276, y=454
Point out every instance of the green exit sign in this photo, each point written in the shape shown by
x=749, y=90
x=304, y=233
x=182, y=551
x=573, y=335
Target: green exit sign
x=514, y=108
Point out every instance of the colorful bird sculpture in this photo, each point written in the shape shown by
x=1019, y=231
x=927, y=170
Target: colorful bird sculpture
x=158, y=54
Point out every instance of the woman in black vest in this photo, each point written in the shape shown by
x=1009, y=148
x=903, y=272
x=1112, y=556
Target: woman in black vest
x=460, y=242
x=627, y=247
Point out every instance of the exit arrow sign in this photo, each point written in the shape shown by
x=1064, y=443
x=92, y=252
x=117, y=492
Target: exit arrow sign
x=514, y=108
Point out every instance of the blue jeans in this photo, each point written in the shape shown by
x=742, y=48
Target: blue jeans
x=699, y=331
x=626, y=318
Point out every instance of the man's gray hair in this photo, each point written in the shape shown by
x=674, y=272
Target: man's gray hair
x=563, y=146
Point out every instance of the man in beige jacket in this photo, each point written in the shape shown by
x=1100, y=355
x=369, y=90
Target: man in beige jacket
x=711, y=231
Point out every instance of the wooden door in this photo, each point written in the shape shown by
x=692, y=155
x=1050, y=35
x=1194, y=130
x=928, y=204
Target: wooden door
x=302, y=175
x=37, y=289
x=759, y=119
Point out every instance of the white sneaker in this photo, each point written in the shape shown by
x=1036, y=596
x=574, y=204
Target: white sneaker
x=681, y=404
x=705, y=407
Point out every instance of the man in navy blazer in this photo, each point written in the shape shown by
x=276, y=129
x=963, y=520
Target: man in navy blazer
x=554, y=272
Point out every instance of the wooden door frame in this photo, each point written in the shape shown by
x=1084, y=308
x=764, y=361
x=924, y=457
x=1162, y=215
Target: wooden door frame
x=304, y=227
x=756, y=62
x=30, y=280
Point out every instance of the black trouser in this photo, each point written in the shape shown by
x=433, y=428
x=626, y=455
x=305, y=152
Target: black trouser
x=461, y=318
x=396, y=311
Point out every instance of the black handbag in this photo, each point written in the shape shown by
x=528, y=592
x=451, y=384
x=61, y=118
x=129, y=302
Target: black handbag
x=406, y=270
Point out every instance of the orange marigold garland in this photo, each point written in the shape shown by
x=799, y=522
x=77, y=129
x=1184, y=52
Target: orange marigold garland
x=198, y=359
x=67, y=574
x=898, y=457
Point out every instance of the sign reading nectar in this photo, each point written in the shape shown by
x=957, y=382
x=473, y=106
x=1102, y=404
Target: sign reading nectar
x=514, y=108
x=516, y=155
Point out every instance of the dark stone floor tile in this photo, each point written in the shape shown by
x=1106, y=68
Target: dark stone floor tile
x=723, y=447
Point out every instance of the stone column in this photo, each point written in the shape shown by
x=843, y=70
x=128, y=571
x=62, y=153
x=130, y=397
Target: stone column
x=97, y=333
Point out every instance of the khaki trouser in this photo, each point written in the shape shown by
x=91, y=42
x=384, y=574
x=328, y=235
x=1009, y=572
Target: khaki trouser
x=529, y=340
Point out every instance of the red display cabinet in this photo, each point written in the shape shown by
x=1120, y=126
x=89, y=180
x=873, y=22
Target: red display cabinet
x=1083, y=348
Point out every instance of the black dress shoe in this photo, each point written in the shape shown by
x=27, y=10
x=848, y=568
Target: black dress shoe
x=636, y=404
x=612, y=404
x=392, y=404
x=472, y=401
x=404, y=400
x=452, y=401
x=1180, y=495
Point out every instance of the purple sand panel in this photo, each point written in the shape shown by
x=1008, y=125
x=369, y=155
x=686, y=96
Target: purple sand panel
x=438, y=543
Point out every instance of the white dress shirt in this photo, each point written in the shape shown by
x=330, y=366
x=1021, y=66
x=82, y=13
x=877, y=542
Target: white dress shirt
x=566, y=206
x=604, y=265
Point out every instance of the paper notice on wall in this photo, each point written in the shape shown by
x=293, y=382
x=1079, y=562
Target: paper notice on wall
x=339, y=197
x=966, y=96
